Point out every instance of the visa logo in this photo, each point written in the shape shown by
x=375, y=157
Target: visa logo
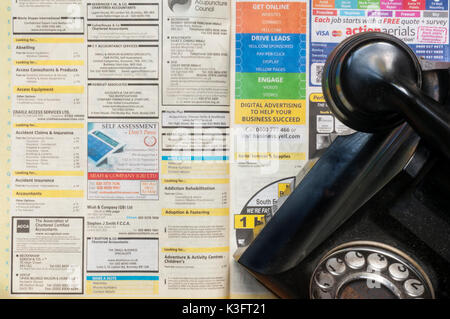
x=322, y=33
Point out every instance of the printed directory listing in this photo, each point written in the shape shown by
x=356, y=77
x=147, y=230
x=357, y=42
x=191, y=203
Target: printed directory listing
x=119, y=166
x=148, y=140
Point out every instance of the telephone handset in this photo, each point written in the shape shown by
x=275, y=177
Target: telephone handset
x=373, y=82
x=371, y=218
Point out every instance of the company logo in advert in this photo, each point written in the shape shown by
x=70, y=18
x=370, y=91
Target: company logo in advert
x=150, y=141
x=336, y=33
x=23, y=226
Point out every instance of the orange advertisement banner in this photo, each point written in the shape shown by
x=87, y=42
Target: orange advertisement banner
x=323, y=4
x=271, y=17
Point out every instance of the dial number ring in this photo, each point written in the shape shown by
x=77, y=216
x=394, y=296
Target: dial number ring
x=356, y=271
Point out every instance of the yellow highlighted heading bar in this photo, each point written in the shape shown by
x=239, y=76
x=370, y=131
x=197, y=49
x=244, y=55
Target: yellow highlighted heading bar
x=49, y=62
x=48, y=173
x=48, y=125
x=195, y=211
x=49, y=193
x=195, y=250
x=270, y=156
x=196, y=181
x=49, y=89
x=48, y=40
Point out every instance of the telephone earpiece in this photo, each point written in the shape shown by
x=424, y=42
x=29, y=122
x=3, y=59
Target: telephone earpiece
x=374, y=82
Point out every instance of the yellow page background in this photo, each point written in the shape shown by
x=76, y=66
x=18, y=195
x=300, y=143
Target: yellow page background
x=5, y=142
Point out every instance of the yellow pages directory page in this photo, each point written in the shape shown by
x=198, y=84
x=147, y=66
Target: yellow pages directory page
x=5, y=142
x=118, y=180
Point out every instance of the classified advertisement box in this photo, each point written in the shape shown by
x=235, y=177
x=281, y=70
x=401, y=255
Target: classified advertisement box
x=123, y=160
x=47, y=255
x=122, y=255
x=122, y=61
x=122, y=99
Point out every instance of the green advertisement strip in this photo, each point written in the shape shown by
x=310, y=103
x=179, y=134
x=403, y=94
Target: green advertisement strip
x=284, y=86
x=368, y=4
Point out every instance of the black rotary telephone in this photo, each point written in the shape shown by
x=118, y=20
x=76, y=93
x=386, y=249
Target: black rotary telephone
x=371, y=219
